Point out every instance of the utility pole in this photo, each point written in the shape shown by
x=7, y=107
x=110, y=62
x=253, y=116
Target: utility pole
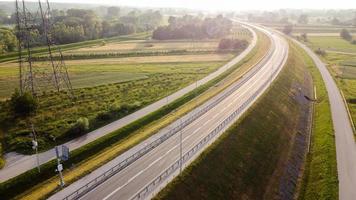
x=35, y=147
x=59, y=168
x=181, y=147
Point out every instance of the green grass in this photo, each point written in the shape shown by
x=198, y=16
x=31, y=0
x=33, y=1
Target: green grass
x=247, y=160
x=333, y=43
x=320, y=176
x=57, y=113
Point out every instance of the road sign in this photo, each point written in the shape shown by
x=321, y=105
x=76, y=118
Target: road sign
x=65, y=153
x=59, y=167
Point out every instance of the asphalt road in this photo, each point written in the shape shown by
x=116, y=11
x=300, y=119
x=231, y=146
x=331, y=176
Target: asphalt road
x=17, y=164
x=345, y=143
x=126, y=183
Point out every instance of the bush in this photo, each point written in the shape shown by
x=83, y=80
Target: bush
x=345, y=34
x=80, y=127
x=288, y=29
x=23, y=104
x=353, y=42
x=320, y=52
x=232, y=44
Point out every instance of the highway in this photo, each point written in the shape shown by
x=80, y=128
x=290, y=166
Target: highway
x=344, y=138
x=133, y=179
x=17, y=164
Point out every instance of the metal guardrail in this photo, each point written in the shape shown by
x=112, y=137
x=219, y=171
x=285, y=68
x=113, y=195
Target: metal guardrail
x=176, y=165
x=123, y=164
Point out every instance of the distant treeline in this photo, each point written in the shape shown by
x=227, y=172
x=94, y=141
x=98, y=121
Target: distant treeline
x=190, y=27
x=76, y=25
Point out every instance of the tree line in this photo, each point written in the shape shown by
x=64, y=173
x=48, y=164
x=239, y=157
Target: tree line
x=76, y=25
x=190, y=27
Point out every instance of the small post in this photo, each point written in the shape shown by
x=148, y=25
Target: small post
x=59, y=168
x=35, y=147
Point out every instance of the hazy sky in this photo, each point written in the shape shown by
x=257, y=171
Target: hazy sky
x=213, y=5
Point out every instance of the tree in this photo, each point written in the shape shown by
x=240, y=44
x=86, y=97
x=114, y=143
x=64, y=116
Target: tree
x=345, y=34
x=23, y=104
x=335, y=21
x=113, y=12
x=303, y=19
x=8, y=40
x=288, y=29
x=304, y=37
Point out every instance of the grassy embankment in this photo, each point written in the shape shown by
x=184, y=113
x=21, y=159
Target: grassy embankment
x=244, y=163
x=341, y=62
x=101, y=151
x=320, y=176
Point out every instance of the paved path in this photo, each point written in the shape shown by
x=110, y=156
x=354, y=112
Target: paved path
x=126, y=183
x=345, y=143
x=17, y=164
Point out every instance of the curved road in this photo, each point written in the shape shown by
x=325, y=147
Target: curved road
x=129, y=181
x=344, y=138
x=17, y=164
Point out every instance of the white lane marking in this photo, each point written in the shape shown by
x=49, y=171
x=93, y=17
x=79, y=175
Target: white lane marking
x=132, y=178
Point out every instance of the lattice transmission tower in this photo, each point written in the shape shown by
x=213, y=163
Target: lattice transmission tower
x=40, y=69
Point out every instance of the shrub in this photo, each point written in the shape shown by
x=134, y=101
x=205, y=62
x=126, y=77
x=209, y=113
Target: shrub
x=80, y=127
x=288, y=29
x=353, y=42
x=345, y=34
x=320, y=52
x=23, y=104
x=232, y=44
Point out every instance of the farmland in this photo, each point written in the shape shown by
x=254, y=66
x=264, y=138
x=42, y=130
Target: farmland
x=341, y=61
x=106, y=89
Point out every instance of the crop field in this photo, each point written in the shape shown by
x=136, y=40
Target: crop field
x=312, y=28
x=342, y=65
x=332, y=43
x=93, y=72
x=148, y=45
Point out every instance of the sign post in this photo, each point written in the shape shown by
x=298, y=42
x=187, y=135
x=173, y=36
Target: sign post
x=59, y=168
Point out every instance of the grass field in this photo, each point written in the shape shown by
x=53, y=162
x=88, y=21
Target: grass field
x=248, y=160
x=57, y=113
x=94, y=72
x=320, y=175
x=117, y=142
x=135, y=46
x=313, y=28
x=332, y=43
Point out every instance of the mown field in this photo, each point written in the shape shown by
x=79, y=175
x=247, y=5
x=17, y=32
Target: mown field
x=341, y=62
x=105, y=89
x=248, y=161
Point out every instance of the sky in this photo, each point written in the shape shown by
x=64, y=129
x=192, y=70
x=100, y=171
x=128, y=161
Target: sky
x=227, y=5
